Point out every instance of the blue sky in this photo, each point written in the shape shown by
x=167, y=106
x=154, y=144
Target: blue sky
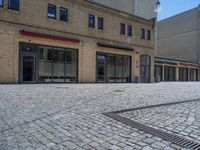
x=173, y=7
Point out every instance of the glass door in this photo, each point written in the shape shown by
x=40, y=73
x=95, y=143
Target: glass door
x=101, y=67
x=28, y=68
x=145, y=68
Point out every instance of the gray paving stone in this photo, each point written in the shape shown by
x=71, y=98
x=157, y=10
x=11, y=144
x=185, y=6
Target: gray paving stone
x=68, y=116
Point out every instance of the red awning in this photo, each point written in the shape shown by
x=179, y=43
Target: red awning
x=50, y=37
x=189, y=65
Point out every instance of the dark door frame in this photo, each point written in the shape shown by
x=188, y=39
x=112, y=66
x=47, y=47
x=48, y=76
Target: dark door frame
x=23, y=54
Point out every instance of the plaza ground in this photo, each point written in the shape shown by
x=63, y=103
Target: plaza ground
x=70, y=116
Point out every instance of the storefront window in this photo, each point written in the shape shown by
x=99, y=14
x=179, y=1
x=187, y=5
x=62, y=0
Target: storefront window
x=193, y=74
x=115, y=68
x=183, y=74
x=45, y=71
x=111, y=68
x=45, y=65
x=71, y=66
x=126, y=69
x=119, y=65
x=57, y=65
x=170, y=73
x=145, y=67
x=158, y=73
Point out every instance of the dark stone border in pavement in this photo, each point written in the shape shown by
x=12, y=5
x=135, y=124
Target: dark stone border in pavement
x=173, y=138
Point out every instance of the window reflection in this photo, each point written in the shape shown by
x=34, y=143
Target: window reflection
x=116, y=68
x=57, y=65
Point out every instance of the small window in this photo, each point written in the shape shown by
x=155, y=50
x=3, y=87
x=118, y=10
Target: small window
x=1, y=3
x=91, y=21
x=51, y=11
x=122, y=28
x=142, y=34
x=63, y=14
x=148, y=35
x=13, y=4
x=100, y=23
x=129, y=30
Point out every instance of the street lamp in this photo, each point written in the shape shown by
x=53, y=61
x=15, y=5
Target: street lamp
x=158, y=7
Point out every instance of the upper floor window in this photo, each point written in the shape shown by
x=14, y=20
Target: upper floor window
x=122, y=28
x=129, y=30
x=148, y=35
x=100, y=23
x=13, y=4
x=91, y=21
x=63, y=14
x=51, y=11
x=1, y=3
x=142, y=33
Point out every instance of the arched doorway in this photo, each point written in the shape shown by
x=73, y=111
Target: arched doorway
x=145, y=68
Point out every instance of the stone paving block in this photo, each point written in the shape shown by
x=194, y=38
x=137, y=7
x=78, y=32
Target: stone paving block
x=71, y=117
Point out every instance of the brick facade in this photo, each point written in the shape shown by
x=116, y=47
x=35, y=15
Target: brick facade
x=32, y=17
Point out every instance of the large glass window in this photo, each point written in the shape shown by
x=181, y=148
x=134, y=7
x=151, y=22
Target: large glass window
x=145, y=68
x=126, y=69
x=111, y=68
x=45, y=64
x=13, y=4
x=63, y=14
x=115, y=68
x=183, y=74
x=51, y=11
x=91, y=21
x=158, y=73
x=170, y=73
x=1, y=3
x=119, y=69
x=193, y=74
x=71, y=66
x=57, y=65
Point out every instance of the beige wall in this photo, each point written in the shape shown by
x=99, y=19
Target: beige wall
x=141, y=8
x=12, y=22
x=178, y=36
x=122, y=5
x=145, y=8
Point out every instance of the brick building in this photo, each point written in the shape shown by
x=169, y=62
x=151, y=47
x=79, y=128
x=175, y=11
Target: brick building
x=73, y=41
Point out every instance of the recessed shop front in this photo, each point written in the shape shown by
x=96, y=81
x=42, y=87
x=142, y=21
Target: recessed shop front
x=183, y=74
x=47, y=64
x=158, y=73
x=112, y=68
x=145, y=68
x=193, y=74
x=170, y=73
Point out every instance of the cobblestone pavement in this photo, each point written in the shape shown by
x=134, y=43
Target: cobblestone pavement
x=181, y=119
x=69, y=116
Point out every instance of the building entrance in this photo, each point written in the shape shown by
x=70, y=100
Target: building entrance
x=28, y=69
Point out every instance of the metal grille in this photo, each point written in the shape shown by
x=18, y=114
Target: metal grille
x=156, y=132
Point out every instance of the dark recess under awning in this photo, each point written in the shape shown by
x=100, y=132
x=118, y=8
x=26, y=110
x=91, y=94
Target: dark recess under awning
x=116, y=46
